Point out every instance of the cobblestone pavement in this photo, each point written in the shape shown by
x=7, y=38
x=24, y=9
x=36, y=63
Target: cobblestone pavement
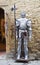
x=4, y=61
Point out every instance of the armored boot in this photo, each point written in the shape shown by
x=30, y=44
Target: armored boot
x=18, y=57
x=26, y=57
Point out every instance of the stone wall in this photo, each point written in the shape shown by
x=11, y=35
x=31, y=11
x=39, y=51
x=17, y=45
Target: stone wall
x=32, y=9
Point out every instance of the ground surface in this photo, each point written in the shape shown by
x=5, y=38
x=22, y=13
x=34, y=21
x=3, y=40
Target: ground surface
x=4, y=61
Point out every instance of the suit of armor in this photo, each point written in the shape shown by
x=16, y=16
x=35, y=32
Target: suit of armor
x=23, y=24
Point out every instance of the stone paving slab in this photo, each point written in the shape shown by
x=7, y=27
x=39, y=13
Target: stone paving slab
x=3, y=56
x=12, y=62
x=4, y=61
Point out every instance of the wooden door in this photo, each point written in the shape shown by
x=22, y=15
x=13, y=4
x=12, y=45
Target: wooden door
x=2, y=31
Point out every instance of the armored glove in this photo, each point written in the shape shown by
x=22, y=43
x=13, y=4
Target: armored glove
x=29, y=38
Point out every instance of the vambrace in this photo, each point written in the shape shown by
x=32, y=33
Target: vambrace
x=17, y=29
x=17, y=32
x=30, y=34
x=29, y=29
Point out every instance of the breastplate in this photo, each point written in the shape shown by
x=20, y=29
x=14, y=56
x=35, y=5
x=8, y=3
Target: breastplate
x=23, y=24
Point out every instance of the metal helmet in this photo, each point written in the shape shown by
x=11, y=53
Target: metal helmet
x=23, y=14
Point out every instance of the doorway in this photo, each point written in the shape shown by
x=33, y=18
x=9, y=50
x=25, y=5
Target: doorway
x=2, y=31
